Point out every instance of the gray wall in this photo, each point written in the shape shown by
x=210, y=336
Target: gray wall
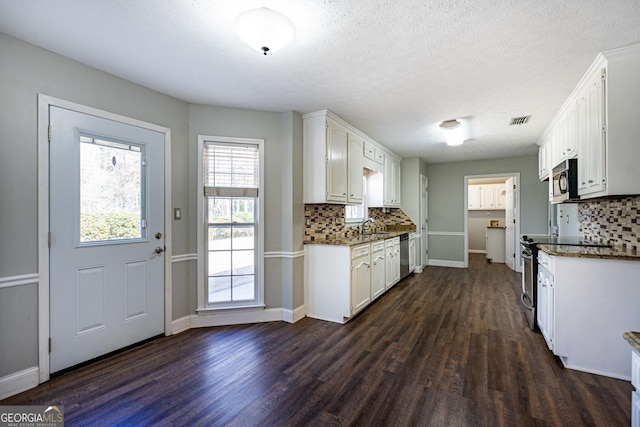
x=446, y=200
x=477, y=227
x=25, y=72
x=282, y=133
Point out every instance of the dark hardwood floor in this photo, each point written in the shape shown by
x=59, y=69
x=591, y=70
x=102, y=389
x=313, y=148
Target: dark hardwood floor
x=448, y=347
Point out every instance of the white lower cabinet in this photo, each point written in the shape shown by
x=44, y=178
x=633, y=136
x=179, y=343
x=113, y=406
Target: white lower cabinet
x=635, y=395
x=635, y=409
x=377, y=270
x=360, y=277
x=546, y=300
x=392, y=261
x=412, y=252
x=340, y=281
x=584, y=306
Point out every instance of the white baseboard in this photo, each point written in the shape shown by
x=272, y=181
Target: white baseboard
x=292, y=316
x=237, y=318
x=446, y=263
x=477, y=251
x=181, y=324
x=19, y=381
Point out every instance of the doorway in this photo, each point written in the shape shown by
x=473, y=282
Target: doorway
x=475, y=211
x=104, y=263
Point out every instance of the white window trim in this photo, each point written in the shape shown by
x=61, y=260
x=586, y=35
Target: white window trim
x=202, y=307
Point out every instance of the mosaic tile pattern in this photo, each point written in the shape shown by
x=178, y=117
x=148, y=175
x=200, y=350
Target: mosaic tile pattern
x=611, y=221
x=326, y=222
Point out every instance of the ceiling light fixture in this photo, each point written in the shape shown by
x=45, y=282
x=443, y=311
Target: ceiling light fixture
x=264, y=29
x=452, y=131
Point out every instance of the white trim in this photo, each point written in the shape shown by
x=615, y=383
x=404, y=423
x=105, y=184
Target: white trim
x=446, y=263
x=236, y=317
x=292, y=316
x=477, y=251
x=445, y=233
x=184, y=257
x=291, y=255
x=200, y=221
x=24, y=279
x=182, y=324
x=18, y=382
x=44, y=103
x=516, y=230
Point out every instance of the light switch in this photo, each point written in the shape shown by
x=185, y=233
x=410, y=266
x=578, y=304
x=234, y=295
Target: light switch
x=177, y=214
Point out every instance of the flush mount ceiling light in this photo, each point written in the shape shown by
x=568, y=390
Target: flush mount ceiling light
x=264, y=29
x=452, y=131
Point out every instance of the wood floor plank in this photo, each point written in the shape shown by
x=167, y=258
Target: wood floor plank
x=447, y=347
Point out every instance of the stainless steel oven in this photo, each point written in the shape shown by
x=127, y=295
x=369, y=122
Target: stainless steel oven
x=528, y=298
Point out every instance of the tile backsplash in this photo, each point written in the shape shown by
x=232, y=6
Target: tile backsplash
x=611, y=221
x=326, y=221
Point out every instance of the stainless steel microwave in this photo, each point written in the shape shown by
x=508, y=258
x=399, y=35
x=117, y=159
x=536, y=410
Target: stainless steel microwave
x=565, y=181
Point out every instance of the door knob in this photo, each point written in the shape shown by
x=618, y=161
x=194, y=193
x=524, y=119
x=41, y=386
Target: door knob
x=158, y=250
x=158, y=235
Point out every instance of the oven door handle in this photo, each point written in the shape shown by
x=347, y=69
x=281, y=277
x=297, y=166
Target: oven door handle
x=527, y=255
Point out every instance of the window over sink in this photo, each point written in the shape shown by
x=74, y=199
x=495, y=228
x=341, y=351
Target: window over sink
x=357, y=213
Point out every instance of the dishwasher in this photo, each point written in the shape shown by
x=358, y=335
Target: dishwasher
x=404, y=255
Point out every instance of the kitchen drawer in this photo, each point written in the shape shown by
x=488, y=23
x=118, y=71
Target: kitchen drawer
x=390, y=242
x=378, y=246
x=547, y=262
x=358, y=251
x=635, y=370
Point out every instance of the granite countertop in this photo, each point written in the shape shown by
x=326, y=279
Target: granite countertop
x=358, y=239
x=620, y=252
x=633, y=338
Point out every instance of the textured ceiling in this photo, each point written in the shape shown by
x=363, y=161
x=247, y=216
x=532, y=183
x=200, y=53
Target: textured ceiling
x=392, y=68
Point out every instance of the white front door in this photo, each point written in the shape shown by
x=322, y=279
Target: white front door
x=106, y=219
x=510, y=220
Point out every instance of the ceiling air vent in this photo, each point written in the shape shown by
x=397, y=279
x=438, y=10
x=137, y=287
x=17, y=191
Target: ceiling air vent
x=519, y=120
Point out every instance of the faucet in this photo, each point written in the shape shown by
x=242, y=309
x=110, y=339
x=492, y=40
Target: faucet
x=364, y=224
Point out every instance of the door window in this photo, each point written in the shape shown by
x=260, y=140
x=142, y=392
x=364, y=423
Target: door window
x=111, y=190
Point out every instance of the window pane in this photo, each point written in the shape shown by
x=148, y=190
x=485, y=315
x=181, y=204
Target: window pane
x=219, y=263
x=111, y=196
x=219, y=210
x=243, y=288
x=243, y=237
x=243, y=210
x=242, y=262
x=219, y=289
x=219, y=237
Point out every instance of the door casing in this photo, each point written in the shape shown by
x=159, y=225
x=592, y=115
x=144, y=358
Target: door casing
x=44, y=102
x=516, y=230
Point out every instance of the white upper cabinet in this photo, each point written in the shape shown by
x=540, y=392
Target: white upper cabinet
x=544, y=160
x=591, y=165
x=391, y=181
x=603, y=112
x=354, y=169
x=487, y=197
x=336, y=171
x=335, y=155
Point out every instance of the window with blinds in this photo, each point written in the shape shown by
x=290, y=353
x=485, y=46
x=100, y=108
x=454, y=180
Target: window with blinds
x=231, y=170
x=231, y=187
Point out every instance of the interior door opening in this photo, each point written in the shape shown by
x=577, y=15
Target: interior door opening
x=485, y=205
